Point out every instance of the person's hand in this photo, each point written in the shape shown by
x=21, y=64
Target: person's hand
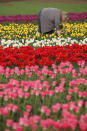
x=58, y=32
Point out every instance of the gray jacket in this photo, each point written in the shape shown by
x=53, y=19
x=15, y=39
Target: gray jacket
x=49, y=19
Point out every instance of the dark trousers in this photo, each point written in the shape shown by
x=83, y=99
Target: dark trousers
x=39, y=25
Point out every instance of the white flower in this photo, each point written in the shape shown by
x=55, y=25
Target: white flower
x=41, y=43
x=15, y=45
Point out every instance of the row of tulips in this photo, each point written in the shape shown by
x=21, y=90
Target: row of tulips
x=28, y=18
x=17, y=31
x=77, y=16
x=35, y=43
x=40, y=99
x=43, y=56
x=18, y=18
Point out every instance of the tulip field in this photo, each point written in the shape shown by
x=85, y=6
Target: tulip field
x=43, y=79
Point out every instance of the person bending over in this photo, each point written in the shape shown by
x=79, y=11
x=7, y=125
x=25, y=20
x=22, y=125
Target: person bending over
x=50, y=18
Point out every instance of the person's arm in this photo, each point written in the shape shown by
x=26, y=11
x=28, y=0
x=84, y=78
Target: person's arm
x=58, y=30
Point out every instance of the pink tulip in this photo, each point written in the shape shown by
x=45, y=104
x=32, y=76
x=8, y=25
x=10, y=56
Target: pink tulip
x=12, y=71
x=42, y=94
x=55, y=70
x=34, y=127
x=56, y=107
x=37, y=93
x=17, y=71
x=2, y=70
x=61, y=89
x=50, y=92
x=38, y=72
x=45, y=70
x=81, y=63
x=48, y=112
x=26, y=88
x=75, y=89
x=7, y=74
x=57, y=125
x=14, y=125
x=24, y=121
x=65, y=70
x=26, y=95
x=44, y=109
x=14, y=82
x=35, y=118
x=77, y=109
x=80, y=94
x=29, y=74
x=1, y=93
x=22, y=72
x=14, y=96
x=7, y=69
x=10, y=106
x=84, y=94
x=83, y=126
x=46, y=123
x=26, y=114
x=53, y=75
x=15, y=108
x=54, y=83
x=32, y=92
x=41, y=78
x=6, y=91
x=46, y=84
x=57, y=89
x=21, y=94
x=5, y=112
x=68, y=97
x=28, y=108
x=80, y=103
x=5, y=98
x=70, y=91
x=15, y=89
x=72, y=105
x=74, y=73
x=63, y=80
x=73, y=83
x=65, y=106
x=65, y=124
x=79, y=74
x=54, y=66
x=19, y=128
x=9, y=123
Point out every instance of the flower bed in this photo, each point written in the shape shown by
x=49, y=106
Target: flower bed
x=44, y=99
x=18, y=18
x=17, y=35
x=35, y=43
x=14, y=31
x=42, y=56
x=40, y=89
x=77, y=16
x=29, y=18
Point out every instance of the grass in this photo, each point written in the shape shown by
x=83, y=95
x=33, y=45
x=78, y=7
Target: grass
x=14, y=8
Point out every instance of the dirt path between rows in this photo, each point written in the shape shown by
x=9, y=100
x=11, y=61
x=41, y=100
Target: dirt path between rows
x=49, y=1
